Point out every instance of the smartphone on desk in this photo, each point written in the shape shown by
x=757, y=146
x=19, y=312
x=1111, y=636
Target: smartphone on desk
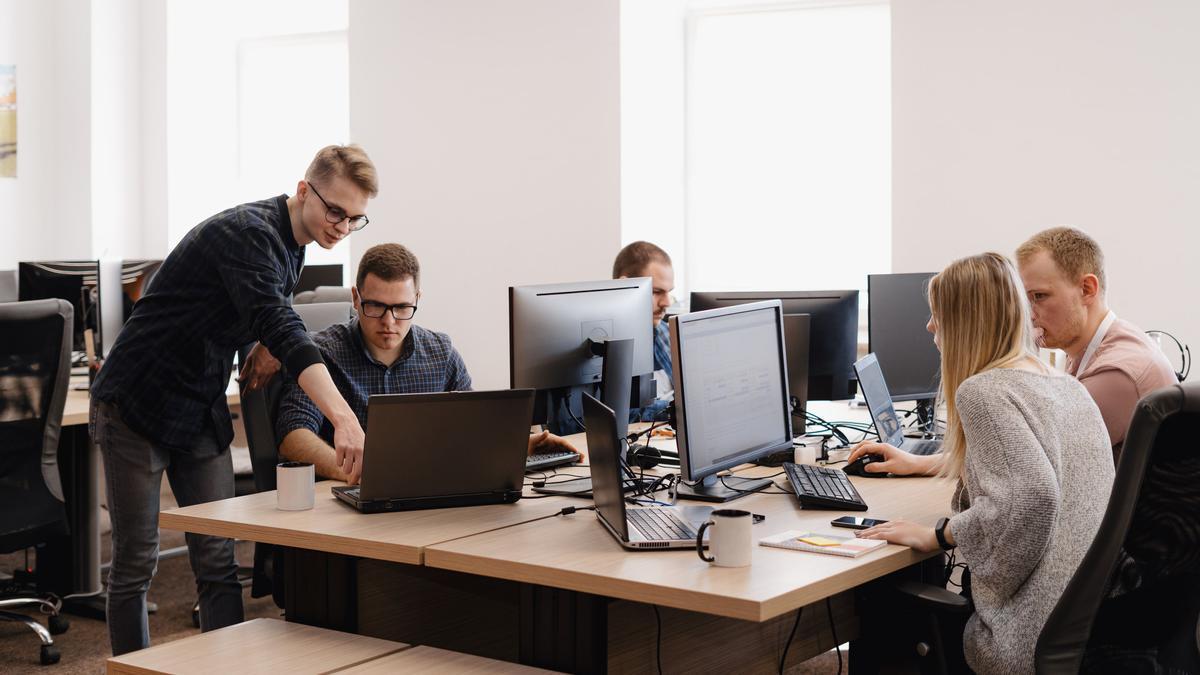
x=856, y=522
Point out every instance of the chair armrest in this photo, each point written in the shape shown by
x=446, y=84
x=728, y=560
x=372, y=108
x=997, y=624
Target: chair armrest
x=934, y=597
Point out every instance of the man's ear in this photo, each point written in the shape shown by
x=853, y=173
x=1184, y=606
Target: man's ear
x=1089, y=285
x=355, y=297
x=302, y=189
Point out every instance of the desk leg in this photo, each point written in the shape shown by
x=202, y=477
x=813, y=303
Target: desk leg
x=321, y=589
x=563, y=630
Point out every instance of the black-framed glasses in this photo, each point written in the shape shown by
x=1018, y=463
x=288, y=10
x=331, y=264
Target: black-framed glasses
x=375, y=310
x=336, y=214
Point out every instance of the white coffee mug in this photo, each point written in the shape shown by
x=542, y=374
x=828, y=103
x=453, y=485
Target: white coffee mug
x=294, y=483
x=729, y=541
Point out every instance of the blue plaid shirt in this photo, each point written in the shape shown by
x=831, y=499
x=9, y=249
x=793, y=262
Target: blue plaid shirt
x=662, y=361
x=428, y=363
x=227, y=283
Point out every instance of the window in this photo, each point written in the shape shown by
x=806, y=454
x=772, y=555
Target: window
x=788, y=150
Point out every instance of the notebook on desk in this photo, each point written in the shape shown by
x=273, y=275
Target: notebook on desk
x=428, y=451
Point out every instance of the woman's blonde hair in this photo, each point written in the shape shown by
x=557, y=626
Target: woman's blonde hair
x=982, y=316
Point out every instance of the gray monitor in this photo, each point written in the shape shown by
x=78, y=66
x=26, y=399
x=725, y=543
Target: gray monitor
x=556, y=338
x=731, y=395
x=897, y=312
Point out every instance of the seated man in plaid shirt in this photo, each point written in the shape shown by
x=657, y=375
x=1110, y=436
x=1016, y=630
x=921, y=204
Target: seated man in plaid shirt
x=380, y=351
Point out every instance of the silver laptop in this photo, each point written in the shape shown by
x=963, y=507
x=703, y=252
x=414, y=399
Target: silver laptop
x=430, y=451
x=879, y=402
x=649, y=527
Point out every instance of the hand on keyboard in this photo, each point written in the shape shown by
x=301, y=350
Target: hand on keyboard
x=547, y=443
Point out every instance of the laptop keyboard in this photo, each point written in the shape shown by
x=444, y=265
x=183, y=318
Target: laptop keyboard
x=546, y=460
x=819, y=487
x=660, y=524
x=923, y=447
x=351, y=491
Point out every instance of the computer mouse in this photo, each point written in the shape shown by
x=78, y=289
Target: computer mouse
x=859, y=466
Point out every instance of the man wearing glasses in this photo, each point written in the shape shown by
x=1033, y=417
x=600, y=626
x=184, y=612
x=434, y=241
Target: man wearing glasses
x=158, y=403
x=380, y=351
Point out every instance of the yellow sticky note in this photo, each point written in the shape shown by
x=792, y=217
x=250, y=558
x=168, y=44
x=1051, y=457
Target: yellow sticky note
x=818, y=540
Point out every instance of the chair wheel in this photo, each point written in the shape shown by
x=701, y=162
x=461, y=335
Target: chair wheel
x=58, y=624
x=50, y=655
x=196, y=616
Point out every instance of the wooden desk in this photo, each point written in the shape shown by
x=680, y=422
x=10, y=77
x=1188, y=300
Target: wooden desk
x=334, y=527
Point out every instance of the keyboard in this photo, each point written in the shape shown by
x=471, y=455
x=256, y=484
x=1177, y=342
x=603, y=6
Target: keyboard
x=819, y=487
x=927, y=447
x=660, y=524
x=549, y=460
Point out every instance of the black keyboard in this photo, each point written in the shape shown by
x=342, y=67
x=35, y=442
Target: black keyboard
x=660, y=524
x=549, y=460
x=820, y=487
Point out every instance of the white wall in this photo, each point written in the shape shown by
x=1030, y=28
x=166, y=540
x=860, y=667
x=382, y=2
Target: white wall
x=46, y=208
x=495, y=129
x=1014, y=116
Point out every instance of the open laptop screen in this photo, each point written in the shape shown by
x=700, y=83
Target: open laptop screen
x=604, y=449
x=879, y=401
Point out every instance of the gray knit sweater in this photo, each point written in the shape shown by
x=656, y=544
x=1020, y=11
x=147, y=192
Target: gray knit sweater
x=1035, y=485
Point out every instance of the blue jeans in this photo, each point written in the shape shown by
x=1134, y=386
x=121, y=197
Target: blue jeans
x=133, y=468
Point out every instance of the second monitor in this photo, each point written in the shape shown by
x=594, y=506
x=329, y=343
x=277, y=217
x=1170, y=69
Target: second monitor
x=832, y=340
x=565, y=339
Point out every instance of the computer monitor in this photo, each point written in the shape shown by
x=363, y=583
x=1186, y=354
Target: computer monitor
x=122, y=284
x=731, y=396
x=77, y=282
x=897, y=312
x=833, y=334
x=568, y=338
x=312, y=276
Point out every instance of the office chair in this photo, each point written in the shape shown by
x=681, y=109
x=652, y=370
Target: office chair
x=1133, y=605
x=35, y=364
x=323, y=294
x=8, y=286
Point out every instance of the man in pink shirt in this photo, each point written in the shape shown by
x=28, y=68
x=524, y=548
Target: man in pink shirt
x=1063, y=272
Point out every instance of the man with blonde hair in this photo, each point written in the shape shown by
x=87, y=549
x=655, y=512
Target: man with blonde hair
x=1063, y=272
x=158, y=403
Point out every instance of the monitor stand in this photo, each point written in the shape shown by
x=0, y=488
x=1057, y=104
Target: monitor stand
x=713, y=489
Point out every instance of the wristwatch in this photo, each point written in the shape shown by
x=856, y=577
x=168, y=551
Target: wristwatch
x=939, y=531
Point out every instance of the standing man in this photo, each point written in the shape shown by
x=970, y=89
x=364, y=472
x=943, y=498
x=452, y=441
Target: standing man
x=158, y=404
x=643, y=259
x=1063, y=272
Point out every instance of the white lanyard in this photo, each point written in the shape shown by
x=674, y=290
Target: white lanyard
x=1101, y=331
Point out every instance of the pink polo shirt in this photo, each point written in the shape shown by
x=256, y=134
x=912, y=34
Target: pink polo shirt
x=1124, y=366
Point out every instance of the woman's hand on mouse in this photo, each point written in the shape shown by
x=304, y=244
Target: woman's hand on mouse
x=895, y=460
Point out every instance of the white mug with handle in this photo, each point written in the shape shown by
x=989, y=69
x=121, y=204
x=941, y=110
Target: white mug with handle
x=729, y=541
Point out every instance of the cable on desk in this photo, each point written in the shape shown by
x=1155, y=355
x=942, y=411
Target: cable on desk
x=787, y=645
x=833, y=631
x=764, y=491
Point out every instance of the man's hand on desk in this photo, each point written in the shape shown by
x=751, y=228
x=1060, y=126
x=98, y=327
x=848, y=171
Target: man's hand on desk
x=920, y=538
x=260, y=367
x=545, y=442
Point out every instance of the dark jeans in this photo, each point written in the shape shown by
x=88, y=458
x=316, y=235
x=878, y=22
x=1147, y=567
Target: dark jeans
x=133, y=468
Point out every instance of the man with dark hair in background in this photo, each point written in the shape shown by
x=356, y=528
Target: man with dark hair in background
x=643, y=259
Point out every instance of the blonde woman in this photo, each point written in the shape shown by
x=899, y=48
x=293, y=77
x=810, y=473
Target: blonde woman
x=1029, y=450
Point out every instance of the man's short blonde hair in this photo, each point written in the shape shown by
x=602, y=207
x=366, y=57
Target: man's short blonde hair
x=1075, y=253
x=348, y=161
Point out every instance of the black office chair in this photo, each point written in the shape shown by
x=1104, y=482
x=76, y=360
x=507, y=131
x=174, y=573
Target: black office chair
x=35, y=364
x=1134, y=604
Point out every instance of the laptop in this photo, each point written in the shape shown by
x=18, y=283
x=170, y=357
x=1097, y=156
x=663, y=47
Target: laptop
x=642, y=527
x=879, y=402
x=432, y=451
